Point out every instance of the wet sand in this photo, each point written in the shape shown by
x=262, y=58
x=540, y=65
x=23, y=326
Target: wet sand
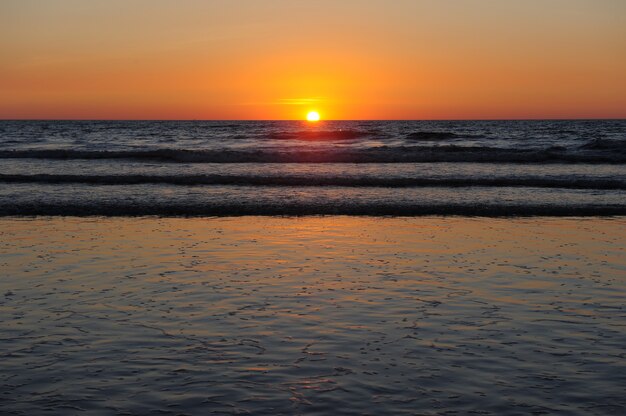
x=313, y=315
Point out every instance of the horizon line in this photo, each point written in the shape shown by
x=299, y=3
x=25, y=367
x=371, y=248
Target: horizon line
x=323, y=120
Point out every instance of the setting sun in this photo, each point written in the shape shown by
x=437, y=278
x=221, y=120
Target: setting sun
x=313, y=116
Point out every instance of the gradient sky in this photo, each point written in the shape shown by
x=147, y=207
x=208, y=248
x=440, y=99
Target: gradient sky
x=348, y=59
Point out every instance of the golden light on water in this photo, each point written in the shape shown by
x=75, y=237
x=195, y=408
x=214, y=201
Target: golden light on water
x=313, y=116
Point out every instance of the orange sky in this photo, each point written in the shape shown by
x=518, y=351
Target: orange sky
x=348, y=59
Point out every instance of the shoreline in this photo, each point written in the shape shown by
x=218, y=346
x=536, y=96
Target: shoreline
x=236, y=211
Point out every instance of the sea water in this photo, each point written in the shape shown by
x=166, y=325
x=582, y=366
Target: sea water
x=300, y=168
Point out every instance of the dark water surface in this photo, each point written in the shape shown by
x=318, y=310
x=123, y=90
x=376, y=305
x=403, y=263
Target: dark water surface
x=299, y=168
x=314, y=315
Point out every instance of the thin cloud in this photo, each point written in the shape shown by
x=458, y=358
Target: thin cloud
x=291, y=101
x=300, y=101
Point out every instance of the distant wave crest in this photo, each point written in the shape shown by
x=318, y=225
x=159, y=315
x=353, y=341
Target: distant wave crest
x=440, y=136
x=317, y=135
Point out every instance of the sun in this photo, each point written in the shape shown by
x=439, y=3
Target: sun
x=313, y=116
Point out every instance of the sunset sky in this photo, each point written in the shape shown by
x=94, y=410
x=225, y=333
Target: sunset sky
x=347, y=59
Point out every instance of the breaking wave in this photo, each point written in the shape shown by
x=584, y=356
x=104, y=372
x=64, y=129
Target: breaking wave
x=167, y=208
x=309, y=181
x=382, y=154
x=606, y=144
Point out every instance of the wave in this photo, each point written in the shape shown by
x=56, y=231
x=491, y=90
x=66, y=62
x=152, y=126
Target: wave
x=383, y=154
x=606, y=144
x=309, y=181
x=168, y=208
x=317, y=135
x=440, y=135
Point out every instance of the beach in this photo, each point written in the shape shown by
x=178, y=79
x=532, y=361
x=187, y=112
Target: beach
x=313, y=315
x=329, y=208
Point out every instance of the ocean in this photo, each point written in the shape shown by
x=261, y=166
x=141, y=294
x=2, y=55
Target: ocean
x=226, y=168
x=341, y=267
